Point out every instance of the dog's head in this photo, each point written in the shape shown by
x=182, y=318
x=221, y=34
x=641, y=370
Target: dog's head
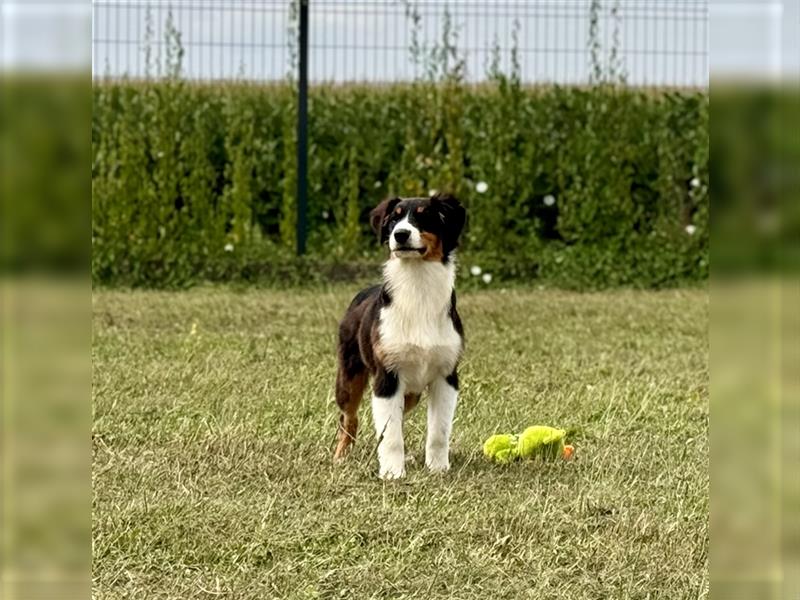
x=420, y=228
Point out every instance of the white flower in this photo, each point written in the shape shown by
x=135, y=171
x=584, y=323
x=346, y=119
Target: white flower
x=325, y=214
x=549, y=200
x=695, y=182
x=228, y=247
x=378, y=184
x=487, y=278
x=475, y=270
x=481, y=187
x=690, y=229
x=194, y=329
x=432, y=192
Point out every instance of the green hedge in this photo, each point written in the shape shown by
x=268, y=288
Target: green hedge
x=585, y=188
x=44, y=219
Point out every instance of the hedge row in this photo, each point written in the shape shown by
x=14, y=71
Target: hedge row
x=44, y=219
x=582, y=188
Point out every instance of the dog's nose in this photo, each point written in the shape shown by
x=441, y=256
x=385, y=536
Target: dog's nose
x=401, y=236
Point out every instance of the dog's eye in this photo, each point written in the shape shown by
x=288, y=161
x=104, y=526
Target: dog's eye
x=420, y=209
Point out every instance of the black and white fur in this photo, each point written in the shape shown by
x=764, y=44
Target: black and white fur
x=405, y=333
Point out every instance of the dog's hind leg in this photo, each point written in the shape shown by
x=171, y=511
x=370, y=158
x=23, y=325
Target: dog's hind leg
x=349, y=391
x=409, y=402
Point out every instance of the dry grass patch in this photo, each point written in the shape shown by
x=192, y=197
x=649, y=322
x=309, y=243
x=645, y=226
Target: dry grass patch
x=214, y=423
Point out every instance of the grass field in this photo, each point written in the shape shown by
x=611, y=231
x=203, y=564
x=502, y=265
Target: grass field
x=214, y=423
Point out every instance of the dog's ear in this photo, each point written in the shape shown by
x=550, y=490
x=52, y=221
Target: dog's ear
x=453, y=217
x=377, y=218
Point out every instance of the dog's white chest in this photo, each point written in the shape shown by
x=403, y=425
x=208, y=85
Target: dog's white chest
x=418, y=350
x=418, y=339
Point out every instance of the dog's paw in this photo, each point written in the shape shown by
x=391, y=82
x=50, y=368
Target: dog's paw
x=392, y=461
x=438, y=464
x=388, y=472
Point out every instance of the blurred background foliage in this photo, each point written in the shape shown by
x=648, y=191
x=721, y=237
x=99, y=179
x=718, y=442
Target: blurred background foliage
x=756, y=224
x=575, y=187
x=44, y=149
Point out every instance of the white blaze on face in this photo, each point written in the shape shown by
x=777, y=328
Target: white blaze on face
x=414, y=238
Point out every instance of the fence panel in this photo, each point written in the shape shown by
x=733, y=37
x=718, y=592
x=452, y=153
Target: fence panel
x=641, y=42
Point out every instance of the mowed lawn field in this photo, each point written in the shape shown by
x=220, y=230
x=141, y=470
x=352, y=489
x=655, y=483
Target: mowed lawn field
x=214, y=423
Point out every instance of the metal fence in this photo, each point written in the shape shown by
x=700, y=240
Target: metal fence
x=640, y=42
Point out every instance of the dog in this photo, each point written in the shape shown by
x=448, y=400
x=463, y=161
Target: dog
x=405, y=333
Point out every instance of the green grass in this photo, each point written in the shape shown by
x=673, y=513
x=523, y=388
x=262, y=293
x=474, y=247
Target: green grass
x=214, y=423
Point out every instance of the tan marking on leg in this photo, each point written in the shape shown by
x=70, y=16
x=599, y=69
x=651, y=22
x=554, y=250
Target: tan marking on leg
x=349, y=392
x=411, y=400
x=348, y=428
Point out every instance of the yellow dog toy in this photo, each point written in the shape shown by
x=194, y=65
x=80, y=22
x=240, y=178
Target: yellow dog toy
x=538, y=441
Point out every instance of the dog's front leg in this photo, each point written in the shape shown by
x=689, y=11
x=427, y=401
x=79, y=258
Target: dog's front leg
x=441, y=408
x=387, y=411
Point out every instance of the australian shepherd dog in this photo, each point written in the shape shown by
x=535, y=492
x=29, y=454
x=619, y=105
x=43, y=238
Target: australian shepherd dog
x=405, y=333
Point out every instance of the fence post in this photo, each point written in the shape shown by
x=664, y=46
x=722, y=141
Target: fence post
x=302, y=131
